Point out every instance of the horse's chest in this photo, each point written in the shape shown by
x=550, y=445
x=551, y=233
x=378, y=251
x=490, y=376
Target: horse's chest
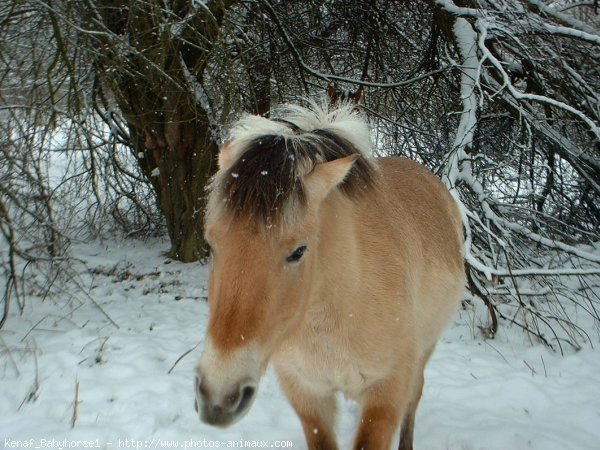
x=325, y=362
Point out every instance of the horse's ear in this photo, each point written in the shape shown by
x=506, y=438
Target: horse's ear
x=332, y=94
x=357, y=95
x=326, y=176
x=225, y=158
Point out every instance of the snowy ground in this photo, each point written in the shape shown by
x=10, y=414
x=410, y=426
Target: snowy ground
x=499, y=394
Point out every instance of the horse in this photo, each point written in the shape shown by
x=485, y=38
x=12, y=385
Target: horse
x=339, y=268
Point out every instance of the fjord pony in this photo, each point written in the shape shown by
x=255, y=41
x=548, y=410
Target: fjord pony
x=339, y=268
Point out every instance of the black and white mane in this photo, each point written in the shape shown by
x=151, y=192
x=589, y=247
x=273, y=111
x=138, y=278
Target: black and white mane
x=268, y=159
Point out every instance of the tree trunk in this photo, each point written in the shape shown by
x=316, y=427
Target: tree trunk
x=158, y=84
x=179, y=163
x=176, y=150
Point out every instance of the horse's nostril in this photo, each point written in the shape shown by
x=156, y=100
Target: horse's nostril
x=201, y=390
x=247, y=394
x=248, y=391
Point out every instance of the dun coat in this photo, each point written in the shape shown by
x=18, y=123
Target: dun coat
x=339, y=268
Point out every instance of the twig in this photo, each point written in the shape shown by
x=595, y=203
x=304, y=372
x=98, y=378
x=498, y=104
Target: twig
x=102, y=310
x=75, y=403
x=90, y=298
x=533, y=372
x=10, y=356
x=98, y=358
x=497, y=351
x=7, y=297
x=33, y=327
x=35, y=392
x=181, y=357
x=490, y=330
x=544, y=364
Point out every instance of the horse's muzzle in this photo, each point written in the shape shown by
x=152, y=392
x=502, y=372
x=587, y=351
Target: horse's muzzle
x=227, y=409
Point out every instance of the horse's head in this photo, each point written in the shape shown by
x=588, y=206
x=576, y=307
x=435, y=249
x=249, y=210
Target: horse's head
x=262, y=225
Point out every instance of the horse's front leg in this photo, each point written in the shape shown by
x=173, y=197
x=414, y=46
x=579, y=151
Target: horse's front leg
x=383, y=405
x=317, y=413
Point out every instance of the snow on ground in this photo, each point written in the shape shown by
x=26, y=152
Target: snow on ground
x=498, y=394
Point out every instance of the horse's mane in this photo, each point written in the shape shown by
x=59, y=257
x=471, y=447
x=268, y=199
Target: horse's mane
x=270, y=157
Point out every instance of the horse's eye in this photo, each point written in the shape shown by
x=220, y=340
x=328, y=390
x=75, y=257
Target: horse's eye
x=297, y=254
